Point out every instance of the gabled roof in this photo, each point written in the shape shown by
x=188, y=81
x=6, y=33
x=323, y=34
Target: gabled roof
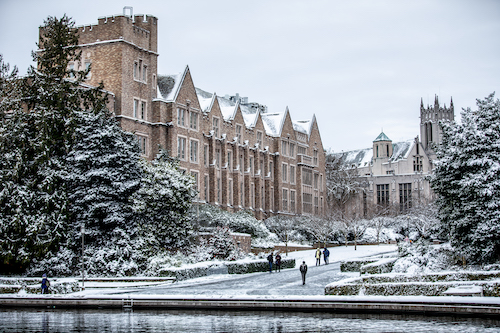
x=382, y=137
x=272, y=123
x=168, y=86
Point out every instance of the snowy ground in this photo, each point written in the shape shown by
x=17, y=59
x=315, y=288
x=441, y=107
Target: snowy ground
x=286, y=282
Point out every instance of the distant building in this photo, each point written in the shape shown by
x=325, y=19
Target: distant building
x=240, y=155
x=396, y=175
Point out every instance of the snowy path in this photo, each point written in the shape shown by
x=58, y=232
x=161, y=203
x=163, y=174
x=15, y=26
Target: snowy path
x=286, y=282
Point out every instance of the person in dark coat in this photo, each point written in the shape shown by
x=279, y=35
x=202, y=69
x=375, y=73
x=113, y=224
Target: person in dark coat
x=326, y=255
x=303, y=271
x=270, y=259
x=45, y=284
x=278, y=262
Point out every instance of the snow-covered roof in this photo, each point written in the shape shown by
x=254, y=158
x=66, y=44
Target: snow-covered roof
x=205, y=99
x=302, y=126
x=168, y=86
x=363, y=157
x=272, y=123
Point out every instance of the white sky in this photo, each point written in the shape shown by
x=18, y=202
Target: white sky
x=360, y=66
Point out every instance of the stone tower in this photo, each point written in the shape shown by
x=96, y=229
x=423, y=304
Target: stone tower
x=430, y=132
x=122, y=51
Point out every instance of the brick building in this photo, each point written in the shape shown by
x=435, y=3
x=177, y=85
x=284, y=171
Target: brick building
x=241, y=155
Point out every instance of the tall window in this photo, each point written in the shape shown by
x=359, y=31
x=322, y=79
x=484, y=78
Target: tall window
x=315, y=157
x=301, y=150
x=205, y=155
x=242, y=197
x=193, y=151
x=230, y=193
x=306, y=176
x=229, y=160
x=291, y=150
x=292, y=174
x=316, y=181
x=142, y=144
x=284, y=172
x=140, y=71
x=417, y=164
x=271, y=171
x=262, y=197
x=143, y=110
x=292, y=201
x=218, y=190
x=241, y=164
x=136, y=107
x=238, y=133
x=259, y=139
x=181, y=148
x=217, y=157
x=205, y=188
x=307, y=203
x=215, y=126
x=285, y=200
x=404, y=197
x=193, y=120
x=284, y=146
x=194, y=174
x=252, y=195
x=316, y=205
x=383, y=195
x=181, y=117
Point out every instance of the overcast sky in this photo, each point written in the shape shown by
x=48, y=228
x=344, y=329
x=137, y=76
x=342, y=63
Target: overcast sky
x=359, y=66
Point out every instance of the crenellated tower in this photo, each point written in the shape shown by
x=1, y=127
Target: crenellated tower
x=430, y=116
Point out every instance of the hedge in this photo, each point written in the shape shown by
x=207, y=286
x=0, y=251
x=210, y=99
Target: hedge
x=33, y=286
x=414, y=285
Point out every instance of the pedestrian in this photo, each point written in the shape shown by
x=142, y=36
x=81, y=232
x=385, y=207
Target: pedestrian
x=318, y=257
x=270, y=259
x=278, y=262
x=326, y=254
x=303, y=271
x=45, y=284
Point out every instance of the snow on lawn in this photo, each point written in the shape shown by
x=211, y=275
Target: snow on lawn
x=340, y=253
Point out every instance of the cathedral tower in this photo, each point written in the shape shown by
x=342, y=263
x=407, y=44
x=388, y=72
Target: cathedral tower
x=430, y=132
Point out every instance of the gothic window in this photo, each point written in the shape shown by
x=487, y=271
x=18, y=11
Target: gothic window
x=285, y=200
x=404, y=197
x=383, y=195
x=181, y=117
x=292, y=201
x=284, y=172
x=292, y=174
x=315, y=157
x=238, y=133
x=193, y=120
x=215, y=126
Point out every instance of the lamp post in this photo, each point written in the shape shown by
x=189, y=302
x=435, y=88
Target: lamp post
x=83, y=253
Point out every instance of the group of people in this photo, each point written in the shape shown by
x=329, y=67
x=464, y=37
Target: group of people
x=326, y=255
x=303, y=267
x=277, y=262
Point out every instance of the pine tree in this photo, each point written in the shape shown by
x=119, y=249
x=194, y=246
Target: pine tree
x=467, y=181
x=162, y=203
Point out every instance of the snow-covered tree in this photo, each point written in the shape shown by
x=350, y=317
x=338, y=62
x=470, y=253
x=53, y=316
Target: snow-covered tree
x=283, y=226
x=342, y=183
x=162, y=203
x=467, y=181
x=321, y=228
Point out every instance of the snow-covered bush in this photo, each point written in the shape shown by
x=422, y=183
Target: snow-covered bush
x=419, y=257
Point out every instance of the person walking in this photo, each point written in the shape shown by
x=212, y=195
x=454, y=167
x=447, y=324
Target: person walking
x=303, y=271
x=278, y=262
x=45, y=284
x=318, y=257
x=270, y=259
x=326, y=255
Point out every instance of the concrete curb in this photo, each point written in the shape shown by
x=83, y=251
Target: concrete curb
x=455, y=306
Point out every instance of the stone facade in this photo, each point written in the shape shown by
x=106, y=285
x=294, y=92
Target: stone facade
x=241, y=156
x=396, y=175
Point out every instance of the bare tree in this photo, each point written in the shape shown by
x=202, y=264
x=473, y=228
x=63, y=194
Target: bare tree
x=283, y=227
x=320, y=228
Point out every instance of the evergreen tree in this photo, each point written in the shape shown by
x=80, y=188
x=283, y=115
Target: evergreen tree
x=162, y=202
x=467, y=181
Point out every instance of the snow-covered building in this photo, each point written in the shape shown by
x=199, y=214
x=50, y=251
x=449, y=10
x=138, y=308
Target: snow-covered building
x=241, y=155
x=396, y=175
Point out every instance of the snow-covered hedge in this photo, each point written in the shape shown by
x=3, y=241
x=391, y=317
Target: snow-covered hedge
x=354, y=265
x=381, y=266
x=414, y=285
x=256, y=266
x=33, y=286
